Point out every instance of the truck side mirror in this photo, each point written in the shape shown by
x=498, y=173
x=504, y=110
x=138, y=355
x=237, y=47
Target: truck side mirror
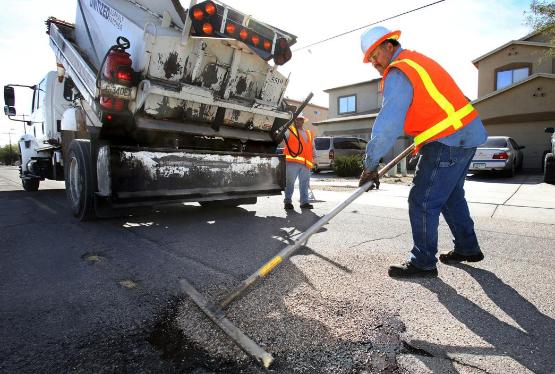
x=9, y=96
x=9, y=110
x=549, y=130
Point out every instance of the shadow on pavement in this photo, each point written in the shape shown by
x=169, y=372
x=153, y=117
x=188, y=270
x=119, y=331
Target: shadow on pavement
x=530, y=344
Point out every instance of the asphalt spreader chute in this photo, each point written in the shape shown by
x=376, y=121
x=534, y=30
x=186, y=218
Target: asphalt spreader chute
x=216, y=311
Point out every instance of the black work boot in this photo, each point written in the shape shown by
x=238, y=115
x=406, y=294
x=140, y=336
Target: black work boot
x=307, y=206
x=288, y=206
x=407, y=269
x=453, y=257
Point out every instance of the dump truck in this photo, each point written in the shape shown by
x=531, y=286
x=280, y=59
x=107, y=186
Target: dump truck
x=153, y=103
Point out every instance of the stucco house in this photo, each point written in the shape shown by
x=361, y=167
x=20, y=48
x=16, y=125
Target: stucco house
x=516, y=93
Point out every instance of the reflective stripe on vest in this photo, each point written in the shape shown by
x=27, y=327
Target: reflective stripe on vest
x=454, y=117
x=299, y=159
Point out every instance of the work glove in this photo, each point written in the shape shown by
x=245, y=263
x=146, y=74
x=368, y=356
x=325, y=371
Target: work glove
x=368, y=176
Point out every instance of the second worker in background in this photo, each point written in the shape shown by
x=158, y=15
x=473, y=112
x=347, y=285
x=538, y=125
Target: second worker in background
x=299, y=154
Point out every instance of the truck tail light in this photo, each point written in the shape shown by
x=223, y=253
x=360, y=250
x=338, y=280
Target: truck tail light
x=220, y=21
x=244, y=34
x=207, y=28
x=331, y=154
x=501, y=156
x=117, y=68
x=230, y=28
x=210, y=8
x=198, y=14
x=267, y=45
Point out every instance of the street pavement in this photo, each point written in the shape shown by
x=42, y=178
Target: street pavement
x=103, y=296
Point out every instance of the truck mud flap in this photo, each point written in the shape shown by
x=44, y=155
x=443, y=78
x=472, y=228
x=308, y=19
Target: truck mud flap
x=193, y=175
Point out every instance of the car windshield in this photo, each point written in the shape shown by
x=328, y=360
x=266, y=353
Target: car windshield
x=495, y=143
x=321, y=143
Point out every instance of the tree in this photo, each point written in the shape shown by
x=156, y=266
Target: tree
x=9, y=154
x=542, y=18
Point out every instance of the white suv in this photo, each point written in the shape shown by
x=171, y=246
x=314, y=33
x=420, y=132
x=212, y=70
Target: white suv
x=329, y=148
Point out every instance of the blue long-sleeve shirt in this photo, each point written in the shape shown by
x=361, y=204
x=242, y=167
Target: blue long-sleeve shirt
x=389, y=124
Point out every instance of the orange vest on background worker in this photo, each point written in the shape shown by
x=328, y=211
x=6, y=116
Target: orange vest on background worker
x=305, y=157
x=438, y=108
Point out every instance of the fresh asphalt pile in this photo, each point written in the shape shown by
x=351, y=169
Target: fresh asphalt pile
x=306, y=330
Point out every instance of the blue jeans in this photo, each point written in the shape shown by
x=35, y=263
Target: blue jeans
x=438, y=188
x=294, y=170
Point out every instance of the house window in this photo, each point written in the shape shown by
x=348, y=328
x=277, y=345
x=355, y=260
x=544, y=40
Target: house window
x=347, y=104
x=504, y=78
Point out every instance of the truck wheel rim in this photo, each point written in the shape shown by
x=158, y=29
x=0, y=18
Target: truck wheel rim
x=74, y=180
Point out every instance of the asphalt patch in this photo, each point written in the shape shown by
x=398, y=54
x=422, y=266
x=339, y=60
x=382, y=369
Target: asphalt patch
x=186, y=355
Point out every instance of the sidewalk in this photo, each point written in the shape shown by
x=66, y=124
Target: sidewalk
x=523, y=198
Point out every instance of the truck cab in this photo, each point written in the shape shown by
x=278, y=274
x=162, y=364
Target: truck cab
x=40, y=147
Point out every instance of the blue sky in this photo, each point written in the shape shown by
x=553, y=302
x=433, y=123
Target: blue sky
x=453, y=32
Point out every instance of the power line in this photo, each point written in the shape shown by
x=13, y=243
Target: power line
x=373, y=23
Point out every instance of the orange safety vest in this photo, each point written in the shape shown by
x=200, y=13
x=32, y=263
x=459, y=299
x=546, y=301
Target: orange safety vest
x=305, y=157
x=438, y=108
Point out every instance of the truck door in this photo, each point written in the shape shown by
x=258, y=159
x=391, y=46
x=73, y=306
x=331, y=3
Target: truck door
x=37, y=110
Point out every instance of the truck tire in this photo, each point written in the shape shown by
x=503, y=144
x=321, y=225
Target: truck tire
x=549, y=169
x=30, y=185
x=232, y=203
x=79, y=180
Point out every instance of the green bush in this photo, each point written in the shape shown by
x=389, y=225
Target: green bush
x=9, y=154
x=348, y=166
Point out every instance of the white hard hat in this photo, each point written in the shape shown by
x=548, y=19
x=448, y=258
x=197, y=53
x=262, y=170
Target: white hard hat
x=373, y=37
x=301, y=116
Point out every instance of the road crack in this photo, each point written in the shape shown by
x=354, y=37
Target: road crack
x=377, y=239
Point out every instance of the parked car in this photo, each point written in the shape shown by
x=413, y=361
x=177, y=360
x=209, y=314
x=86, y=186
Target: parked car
x=498, y=153
x=549, y=159
x=329, y=148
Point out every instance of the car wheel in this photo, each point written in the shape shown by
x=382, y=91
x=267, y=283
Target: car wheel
x=543, y=158
x=79, y=180
x=30, y=185
x=519, y=166
x=549, y=168
x=511, y=171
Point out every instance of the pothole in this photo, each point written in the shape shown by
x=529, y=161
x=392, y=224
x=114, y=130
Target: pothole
x=127, y=283
x=93, y=258
x=186, y=355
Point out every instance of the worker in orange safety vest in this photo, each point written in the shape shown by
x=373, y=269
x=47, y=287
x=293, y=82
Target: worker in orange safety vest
x=299, y=154
x=421, y=99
